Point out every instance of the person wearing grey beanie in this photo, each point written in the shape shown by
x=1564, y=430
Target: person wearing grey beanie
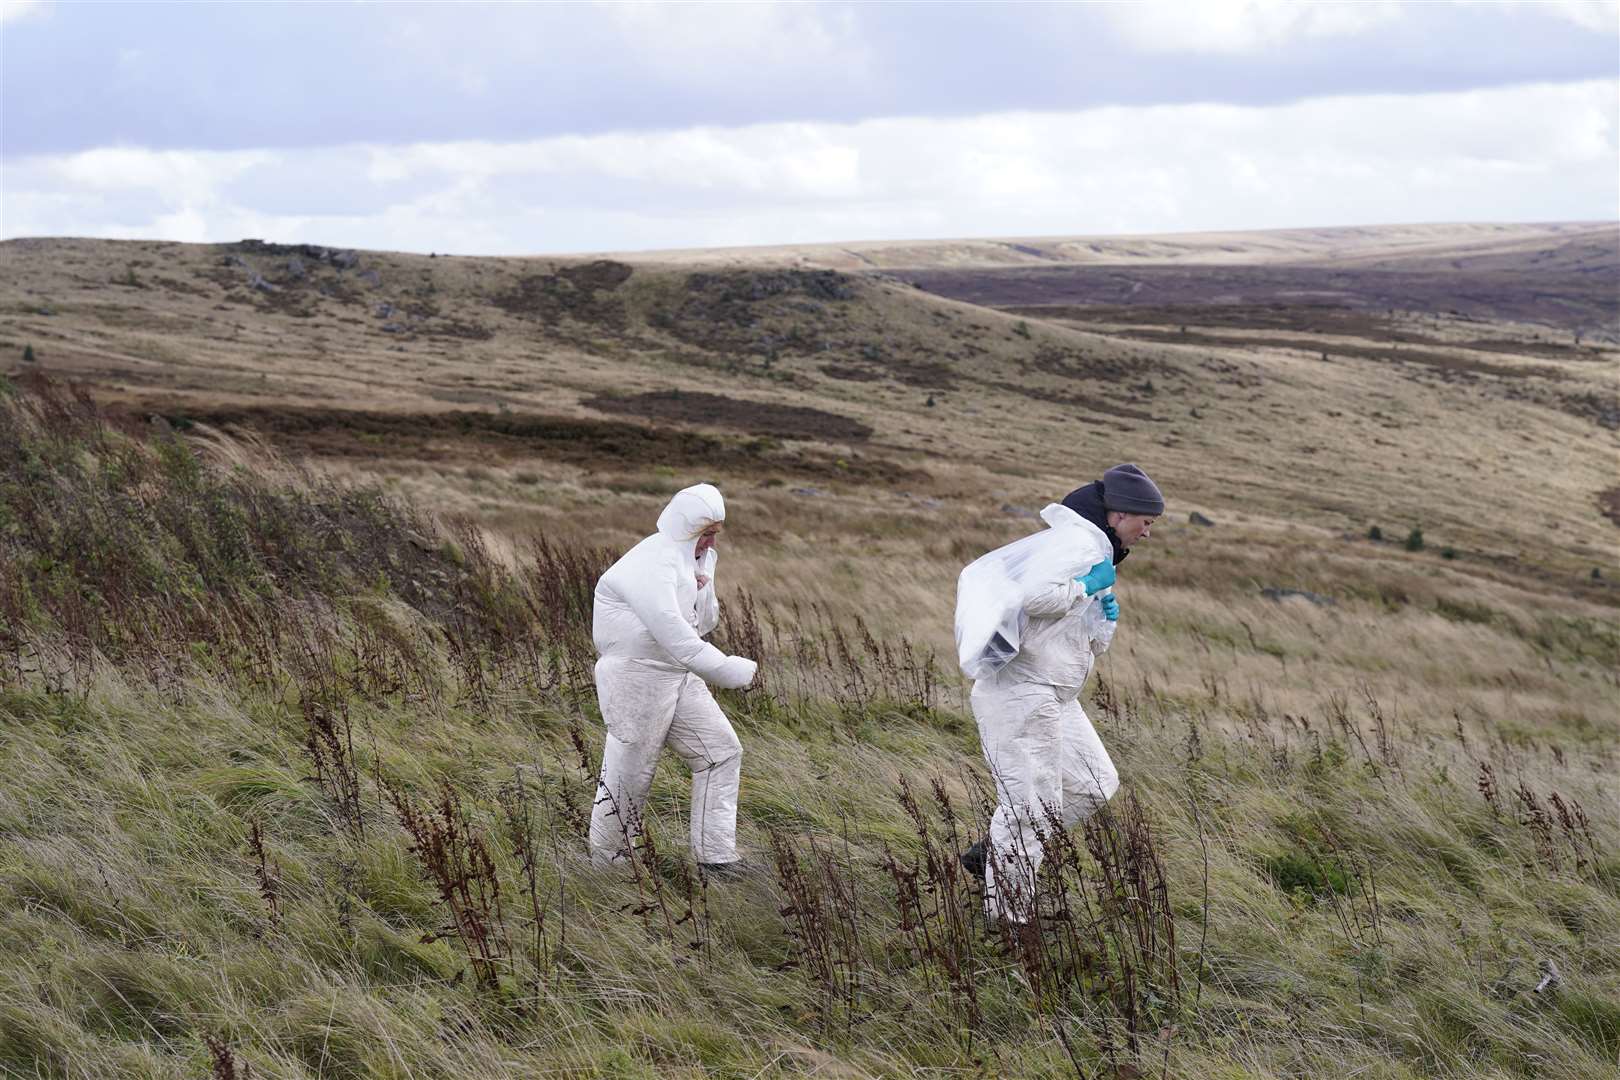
x=1122, y=504
x=1031, y=617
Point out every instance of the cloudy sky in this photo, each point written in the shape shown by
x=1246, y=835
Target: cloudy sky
x=513, y=129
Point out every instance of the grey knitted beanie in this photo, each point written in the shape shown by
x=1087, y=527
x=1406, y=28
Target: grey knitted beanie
x=1127, y=489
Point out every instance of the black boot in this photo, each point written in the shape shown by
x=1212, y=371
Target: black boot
x=731, y=871
x=973, y=860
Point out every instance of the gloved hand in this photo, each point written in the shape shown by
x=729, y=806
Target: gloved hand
x=1098, y=578
x=737, y=673
x=1110, y=607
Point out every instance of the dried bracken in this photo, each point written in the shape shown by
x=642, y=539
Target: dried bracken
x=456, y=859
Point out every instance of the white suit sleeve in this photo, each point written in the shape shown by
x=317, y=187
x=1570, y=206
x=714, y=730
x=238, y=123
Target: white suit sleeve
x=655, y=604
x=1051, y=599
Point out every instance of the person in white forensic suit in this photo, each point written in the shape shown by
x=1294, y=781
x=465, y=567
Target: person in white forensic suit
x=652, y=610
x=1031, y=617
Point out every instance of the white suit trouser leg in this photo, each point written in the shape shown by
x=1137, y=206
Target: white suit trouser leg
x=700, y=733
x=1043, y=754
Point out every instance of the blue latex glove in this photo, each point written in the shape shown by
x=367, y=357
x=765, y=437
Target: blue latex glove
x=1098, y=578
x=1110, y=606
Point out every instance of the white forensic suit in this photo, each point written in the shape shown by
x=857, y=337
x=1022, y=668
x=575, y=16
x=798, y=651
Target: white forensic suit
x=1026, y=633
x=651, y=683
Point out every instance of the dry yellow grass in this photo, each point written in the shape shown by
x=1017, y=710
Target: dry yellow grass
x=1338, y=246
x=123, y=845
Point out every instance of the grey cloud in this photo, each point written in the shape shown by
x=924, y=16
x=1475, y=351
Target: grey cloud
x=231, y=76
x=1544, y=152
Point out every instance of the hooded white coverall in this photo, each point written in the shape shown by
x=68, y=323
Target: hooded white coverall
x=1040, y=745
x=648, y=624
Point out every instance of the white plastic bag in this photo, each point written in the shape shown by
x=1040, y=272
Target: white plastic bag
x=991, y=590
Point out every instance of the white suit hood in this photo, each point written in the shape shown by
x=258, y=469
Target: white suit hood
x=649, y=608
x=691, y=511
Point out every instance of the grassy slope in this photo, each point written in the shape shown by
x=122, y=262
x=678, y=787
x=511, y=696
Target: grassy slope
x=1243, y=725
x=1021, y=408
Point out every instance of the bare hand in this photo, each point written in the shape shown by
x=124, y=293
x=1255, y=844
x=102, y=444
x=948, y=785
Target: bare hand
x=703, y=581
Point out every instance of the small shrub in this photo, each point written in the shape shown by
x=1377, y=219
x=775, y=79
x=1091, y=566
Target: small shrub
x=1375, y=533
x=28, y=355
x=1326, y=759
x=1595, y=1018
x=1296, y=871
x=1414, y=539
x=1464, y=612
x=1021, y=328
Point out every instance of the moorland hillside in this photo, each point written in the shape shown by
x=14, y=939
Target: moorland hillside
x=296, y=546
